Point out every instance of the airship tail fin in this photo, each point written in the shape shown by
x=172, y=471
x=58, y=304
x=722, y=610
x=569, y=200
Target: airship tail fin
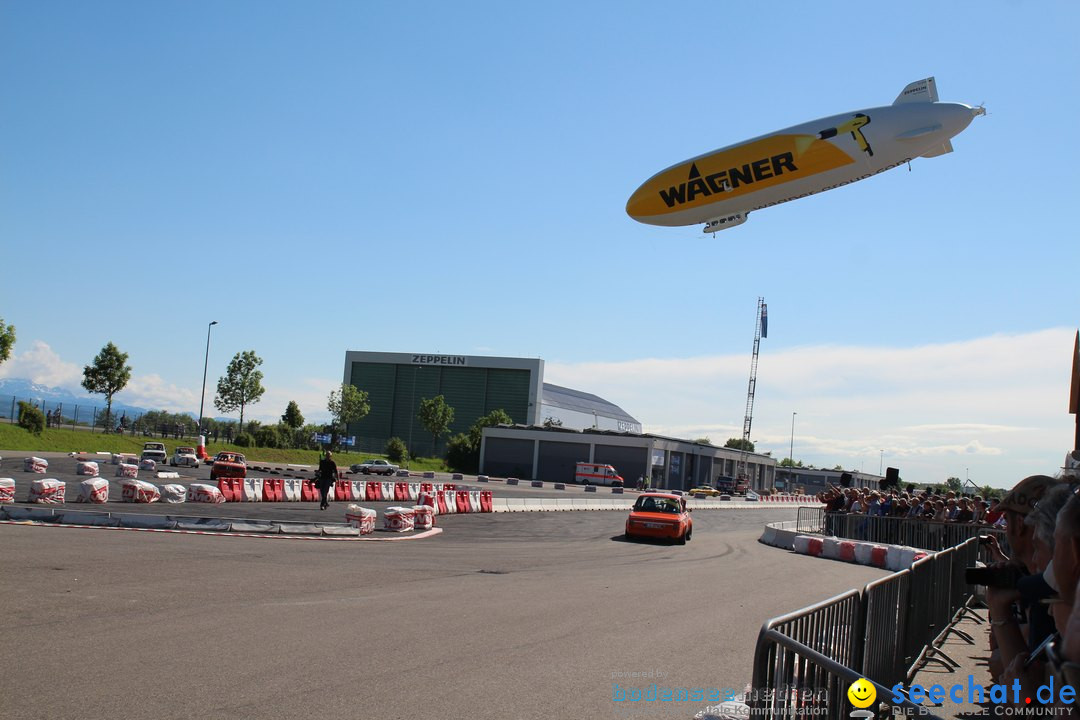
x=939, y=150
x=919, y=91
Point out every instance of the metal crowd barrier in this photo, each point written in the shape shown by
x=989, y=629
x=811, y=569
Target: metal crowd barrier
x=802, y=682
x=922, y=534
x=885, y=633
x=810, y=520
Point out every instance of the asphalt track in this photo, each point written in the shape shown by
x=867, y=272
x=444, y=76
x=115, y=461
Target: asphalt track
x=501, y=616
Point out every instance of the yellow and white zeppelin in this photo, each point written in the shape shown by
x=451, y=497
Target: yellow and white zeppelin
x=722, y=187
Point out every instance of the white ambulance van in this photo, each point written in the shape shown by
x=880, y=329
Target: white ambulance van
x=597, y=474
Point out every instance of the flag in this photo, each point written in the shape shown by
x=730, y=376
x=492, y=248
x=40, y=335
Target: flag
x=764, y=320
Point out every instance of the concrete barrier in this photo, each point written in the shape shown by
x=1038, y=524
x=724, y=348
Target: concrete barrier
x=203, y=524
x=339, y=531
x=254, y=526
x=77, y=517
x=146, y=522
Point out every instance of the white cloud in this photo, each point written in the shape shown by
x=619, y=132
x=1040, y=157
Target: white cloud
x=40, y=364
x=993, y=406
x=151, y=391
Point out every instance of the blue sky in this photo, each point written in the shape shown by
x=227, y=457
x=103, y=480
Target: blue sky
x=431, y=177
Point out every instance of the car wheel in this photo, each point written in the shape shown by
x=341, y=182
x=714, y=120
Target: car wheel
x=689, y=534
x=683, y=538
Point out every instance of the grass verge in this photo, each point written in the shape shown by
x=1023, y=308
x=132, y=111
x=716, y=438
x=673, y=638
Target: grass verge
x=15, y=439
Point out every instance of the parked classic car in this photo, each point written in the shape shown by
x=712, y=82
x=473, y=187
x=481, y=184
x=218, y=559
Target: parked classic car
x=377, y=467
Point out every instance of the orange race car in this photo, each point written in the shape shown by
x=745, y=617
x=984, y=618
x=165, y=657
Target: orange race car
x=660, y=515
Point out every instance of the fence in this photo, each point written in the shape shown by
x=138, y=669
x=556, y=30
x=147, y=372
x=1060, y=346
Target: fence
x=912, y=532
x=884, y=633
x=77, y=416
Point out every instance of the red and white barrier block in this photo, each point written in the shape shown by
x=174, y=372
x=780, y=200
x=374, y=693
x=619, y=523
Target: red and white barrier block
x=124, y=470
x=95, y=491
x=886, y=557
x=173, y=494
x=35, y=465
x=148, y=465
x=362, y=518
x=253, y=489
x=399, y=519
x=292, y=488
x=138, y=491
x=423, y=517
x=47, y=492
x=88, y=468
x=7, y=490
x=428, y=499
x=202, y=493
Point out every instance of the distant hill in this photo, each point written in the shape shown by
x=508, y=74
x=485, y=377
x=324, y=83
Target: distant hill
x=51, y=397
x=26, y=390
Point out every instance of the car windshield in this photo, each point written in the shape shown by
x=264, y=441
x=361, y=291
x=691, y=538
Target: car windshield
x=186, y=451
x=657, y=504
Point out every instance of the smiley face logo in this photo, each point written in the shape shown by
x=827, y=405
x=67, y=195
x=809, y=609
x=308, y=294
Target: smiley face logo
x=861, y=694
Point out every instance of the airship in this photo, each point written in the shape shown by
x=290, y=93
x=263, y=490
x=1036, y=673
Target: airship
x=721, y=188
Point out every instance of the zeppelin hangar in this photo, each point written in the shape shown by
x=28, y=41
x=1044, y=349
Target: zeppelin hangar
x=554, y=427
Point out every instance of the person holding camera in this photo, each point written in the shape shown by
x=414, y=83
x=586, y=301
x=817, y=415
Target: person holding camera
x=1019, y=620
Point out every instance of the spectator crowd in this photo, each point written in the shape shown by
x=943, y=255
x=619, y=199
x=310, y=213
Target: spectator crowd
x=924, y=505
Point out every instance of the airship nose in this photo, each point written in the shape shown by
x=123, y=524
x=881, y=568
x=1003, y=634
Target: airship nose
x=635, y=206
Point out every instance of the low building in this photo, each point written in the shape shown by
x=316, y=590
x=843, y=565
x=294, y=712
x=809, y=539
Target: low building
x=550, y=454
x=812, y=481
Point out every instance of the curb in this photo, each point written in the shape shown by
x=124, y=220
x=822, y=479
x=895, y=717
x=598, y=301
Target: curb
x=224, y=533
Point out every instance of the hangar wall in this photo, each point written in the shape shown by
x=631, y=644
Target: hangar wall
x=549, y=454
x=473, y=385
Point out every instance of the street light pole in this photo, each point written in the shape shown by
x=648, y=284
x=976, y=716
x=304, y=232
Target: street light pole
x=791, y=447
x=881, y=463
x=206, y=361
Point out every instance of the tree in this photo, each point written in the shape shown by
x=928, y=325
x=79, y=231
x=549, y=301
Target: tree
x=241, y=385
x=463, y=450
x=347, y=405
x=7, y=340
x=704, y=440
x=460, y=455
x=740, y=444
x=788, y=462
x=107, y=376
x=954, y=483
x=31, y=418
x=293, y=418
x=493, y=418
x=436, y=416
x=396, y=450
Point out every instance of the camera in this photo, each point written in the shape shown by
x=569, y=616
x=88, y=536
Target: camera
x=999, y=577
